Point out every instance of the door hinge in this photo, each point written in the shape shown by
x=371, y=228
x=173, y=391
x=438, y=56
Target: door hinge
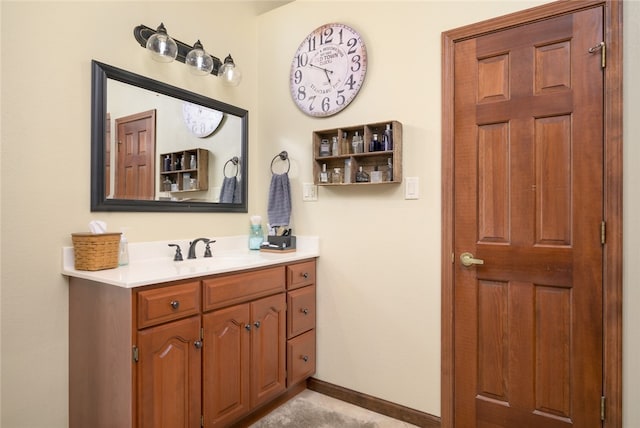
x=602, y=47
x=603, y=232
x=135, y=354
x=602, y=407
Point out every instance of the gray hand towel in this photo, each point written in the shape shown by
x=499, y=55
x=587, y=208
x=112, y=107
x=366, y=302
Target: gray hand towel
x=279, y=209
x=228, y=190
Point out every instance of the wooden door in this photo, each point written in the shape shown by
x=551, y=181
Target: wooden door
x=169, y=383
x=135, y=174
x=227, y=342
x=268, y=340
x=528, y=204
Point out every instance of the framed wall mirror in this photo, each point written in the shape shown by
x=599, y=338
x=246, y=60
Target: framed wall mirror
x=156, y=147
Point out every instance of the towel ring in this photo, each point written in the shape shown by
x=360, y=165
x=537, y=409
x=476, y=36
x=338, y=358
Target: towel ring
x=283, y=155
x=235, y=161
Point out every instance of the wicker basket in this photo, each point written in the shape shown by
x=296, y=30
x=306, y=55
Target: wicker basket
x=95, y=251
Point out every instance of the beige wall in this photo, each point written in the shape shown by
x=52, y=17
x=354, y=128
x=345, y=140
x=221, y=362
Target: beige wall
x=379, y=273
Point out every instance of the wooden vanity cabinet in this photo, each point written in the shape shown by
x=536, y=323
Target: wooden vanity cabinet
x=168, y=355
x=245, y=354
x=301, y=321
x=200, y=352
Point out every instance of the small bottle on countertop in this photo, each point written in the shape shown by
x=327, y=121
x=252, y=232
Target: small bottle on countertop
x=324, y=176
x=256, y=235
x=123, y=253
x=362, y=176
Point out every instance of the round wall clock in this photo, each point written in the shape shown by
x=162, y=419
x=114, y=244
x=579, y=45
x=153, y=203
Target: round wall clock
x=328, y=70
x=200, y=120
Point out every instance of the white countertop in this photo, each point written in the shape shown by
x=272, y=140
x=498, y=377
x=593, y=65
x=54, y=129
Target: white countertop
x=152, y=262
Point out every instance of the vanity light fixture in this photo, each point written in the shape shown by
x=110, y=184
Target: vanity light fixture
x=195, y=57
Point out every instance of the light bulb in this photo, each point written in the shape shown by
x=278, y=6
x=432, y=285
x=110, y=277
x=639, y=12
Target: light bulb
x=162, y=47
x=229, y=72
x=199, y=62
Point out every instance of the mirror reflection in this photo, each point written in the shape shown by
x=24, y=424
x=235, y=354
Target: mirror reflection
x=156, y=147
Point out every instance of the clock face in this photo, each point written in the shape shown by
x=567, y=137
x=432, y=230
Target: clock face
x=328, y=70
x=200, y=120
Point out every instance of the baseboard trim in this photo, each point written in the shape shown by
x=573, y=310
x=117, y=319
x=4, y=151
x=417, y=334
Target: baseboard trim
x=378, y=405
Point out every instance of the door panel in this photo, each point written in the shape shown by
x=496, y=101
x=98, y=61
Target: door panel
x=136, y=142
x=528, y=173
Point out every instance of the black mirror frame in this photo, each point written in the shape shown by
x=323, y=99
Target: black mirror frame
x=99, y=74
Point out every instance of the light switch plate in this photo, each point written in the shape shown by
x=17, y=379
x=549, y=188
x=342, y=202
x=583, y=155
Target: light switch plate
x=309, y=192
x=411, y=188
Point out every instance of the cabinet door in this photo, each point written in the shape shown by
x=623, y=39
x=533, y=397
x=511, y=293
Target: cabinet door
x=227, y=334
x=168, y=374
x=268, y=348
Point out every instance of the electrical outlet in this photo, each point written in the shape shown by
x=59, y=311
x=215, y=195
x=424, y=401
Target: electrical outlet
x=412, y=188
x=309, y=192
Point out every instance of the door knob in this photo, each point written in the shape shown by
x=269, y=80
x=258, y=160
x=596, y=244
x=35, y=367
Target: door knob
x=467, y=259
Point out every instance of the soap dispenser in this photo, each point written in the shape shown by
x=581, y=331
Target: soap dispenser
x=123, y=254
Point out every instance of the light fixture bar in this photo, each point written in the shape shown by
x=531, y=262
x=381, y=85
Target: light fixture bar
x=142, y=34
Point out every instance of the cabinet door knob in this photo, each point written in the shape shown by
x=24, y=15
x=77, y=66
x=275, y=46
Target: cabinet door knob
x=305, y=275
x=305, y=311
x=305, y=358
x=257, y=324
x=198, y=344
x=247, y=327
x=175, y=304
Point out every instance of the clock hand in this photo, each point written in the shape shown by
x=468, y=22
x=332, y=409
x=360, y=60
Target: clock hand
x=326, y=71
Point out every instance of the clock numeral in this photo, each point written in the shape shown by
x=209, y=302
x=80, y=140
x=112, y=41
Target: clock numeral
x=326, y=36
x=311, y=47
x=340, y=99
x=297, y=77
x=350, y=82
x=302, y=93
x=303, y=59
x=326, y=104
x=352, y=44
x=356, y=63
x=311, y=100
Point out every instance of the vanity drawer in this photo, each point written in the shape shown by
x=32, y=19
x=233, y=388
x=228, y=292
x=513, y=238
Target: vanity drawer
x=301, y=274
x=301, y=310
x=168, y=303
x=242, y=287
x=301, y=357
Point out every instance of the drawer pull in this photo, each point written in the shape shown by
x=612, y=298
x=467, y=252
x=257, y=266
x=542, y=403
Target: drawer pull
x=305, y=358
x=247, y=327
x=257, y=324
x=305, y=275
x=198, y=344
x=175, y=304
x=305, y=311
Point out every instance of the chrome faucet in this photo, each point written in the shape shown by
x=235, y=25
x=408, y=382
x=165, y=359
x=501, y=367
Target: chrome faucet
x=192, y=246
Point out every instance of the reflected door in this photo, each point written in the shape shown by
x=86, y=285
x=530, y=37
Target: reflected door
x=136, y=141
x=528, y=324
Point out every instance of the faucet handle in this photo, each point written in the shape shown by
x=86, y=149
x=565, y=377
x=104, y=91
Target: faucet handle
x=207, y=249
x=178, y=256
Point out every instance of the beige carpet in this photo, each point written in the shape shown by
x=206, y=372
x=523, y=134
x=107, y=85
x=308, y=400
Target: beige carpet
x=310, y=409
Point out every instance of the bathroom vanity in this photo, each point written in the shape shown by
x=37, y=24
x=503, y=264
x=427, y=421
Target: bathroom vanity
x=195, y=343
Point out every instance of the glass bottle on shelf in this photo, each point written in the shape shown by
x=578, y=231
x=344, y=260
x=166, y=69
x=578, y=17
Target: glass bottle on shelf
x=325, y=148
x=324, y=175
x=335, y=151
x=362, y=176
x=336, y=177
x=193, y=163
x=387, y=139
x=389, y=169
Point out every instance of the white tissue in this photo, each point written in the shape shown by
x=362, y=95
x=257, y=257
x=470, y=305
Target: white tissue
x=256, y=219
x=97, y=226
